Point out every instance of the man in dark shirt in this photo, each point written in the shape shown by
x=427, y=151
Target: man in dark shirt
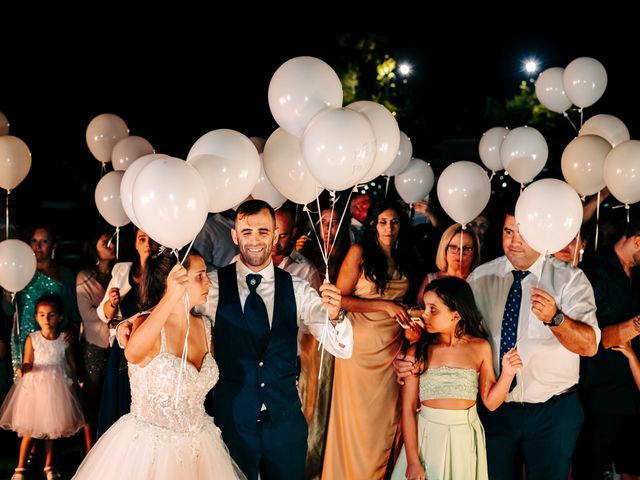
x=611, y=432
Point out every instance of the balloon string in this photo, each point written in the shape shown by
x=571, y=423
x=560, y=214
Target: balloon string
x=344, y=212
x=566, y=115
x=187, y=252
x=493, y=174
x=575, y=250
x=7, y=213
x=315, y=234
x=185, y=349
x=581, y=116
x=323, y=339
x=386, y=189
x=626, y=206
x=117, y=242
x=595, y=247
x=461, y=235
x=544, y=260
x=323, y=249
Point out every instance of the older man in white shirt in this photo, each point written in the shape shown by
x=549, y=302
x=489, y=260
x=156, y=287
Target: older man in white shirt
x=555, y=323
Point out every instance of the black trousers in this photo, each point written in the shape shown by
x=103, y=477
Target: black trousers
x=275, y=449
x=542, y=435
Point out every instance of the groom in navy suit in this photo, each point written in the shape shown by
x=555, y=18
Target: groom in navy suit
x=258, y=309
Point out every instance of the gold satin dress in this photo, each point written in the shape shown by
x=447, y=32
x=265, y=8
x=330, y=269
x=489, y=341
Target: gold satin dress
x=364, y=423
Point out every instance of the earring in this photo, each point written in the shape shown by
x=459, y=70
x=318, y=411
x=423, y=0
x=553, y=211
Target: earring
x=53, y=254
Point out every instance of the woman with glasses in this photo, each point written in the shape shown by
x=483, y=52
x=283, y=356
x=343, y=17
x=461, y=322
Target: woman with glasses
x=448, y=258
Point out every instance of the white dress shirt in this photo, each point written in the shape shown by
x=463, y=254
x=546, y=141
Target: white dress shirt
x=310, y=312
x=549, y=368
x=119, y=279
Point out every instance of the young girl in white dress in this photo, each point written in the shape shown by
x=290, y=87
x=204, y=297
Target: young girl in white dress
x=448, y=441
x=42, y=403
x=168, y=434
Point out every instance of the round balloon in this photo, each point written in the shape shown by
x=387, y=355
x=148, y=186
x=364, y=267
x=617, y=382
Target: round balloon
x=489, y=147
x=170, y=201
x=386, y=132
x=129, y=149
x=265, y=191
x=103, y=132
x=300, y=89
x=463, y=191
x=288, y=172
x=550, y=90
x=611, y=128
x=583, y=163
x=549, y=215
x=415, y=182
x=17, y=265
x=15, y=161
x=4, y=124
x=524, y=153
x=622, y=172
x=402, y=158
x=107, y=197
x=128, y=179
x=584, y=80
x=339, y=147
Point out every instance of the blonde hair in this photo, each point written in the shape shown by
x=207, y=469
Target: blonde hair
x=445, y=240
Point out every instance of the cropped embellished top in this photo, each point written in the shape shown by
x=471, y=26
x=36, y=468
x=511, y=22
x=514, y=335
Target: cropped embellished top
x=449, y=382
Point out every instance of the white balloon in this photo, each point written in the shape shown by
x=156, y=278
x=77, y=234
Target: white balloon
x=129, y=149
x=300, y=89
x=263, y=189
x=288, y=172
x=103, y=132
x=107, y=197
x=229, y=163
x=550, y=90
x=549, y=215
x=128, y=179
x=339, y=147
x=524, y=153
x=583, y=163
x=489, y=147
x=387, y=135
x=415, y=182
x=17, y=265
x=4, y=124
x=463, y=191
x=611, y=128
x=15, y=161
x=170, y=201
x=584, y=80
x=402, y=158
x=622, y=172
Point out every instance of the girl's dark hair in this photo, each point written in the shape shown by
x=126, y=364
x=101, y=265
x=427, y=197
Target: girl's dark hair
x=52, y=299
x=154, y=281
x=154, y=248
x=374, y=262
x=89, y=249
x=457, y=295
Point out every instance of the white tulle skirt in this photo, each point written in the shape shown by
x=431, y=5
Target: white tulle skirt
x=134, y=448
x=42, y=404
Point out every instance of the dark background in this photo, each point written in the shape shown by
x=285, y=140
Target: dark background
x=171, y=86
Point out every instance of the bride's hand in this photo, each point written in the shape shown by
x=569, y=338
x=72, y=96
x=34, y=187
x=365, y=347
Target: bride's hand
x=177, y=282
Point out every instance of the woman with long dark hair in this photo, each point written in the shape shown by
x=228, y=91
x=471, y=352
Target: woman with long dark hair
x=364, y=423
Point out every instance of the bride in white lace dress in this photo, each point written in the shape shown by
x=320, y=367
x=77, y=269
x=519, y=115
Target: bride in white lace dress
x=167, y=435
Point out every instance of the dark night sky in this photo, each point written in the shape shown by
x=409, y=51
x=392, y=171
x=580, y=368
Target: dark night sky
x=173, y=87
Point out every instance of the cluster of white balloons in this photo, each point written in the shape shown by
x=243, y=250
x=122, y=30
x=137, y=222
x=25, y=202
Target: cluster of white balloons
x=338, y=147
x=603, y=155
x=522, y=152
x=581, y=83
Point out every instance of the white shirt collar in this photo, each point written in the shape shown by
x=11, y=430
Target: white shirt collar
x=535, y=268
x=267, y=272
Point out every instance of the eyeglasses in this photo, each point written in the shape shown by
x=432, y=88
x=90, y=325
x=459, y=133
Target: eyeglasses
x=456, y=250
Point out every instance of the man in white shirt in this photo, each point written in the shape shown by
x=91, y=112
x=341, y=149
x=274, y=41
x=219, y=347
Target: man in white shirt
x=255, y=402
x=542, y=416
x=556, y=324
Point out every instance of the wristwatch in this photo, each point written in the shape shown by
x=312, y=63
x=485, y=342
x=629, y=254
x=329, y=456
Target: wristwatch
x=557, y=320
x=339, y=318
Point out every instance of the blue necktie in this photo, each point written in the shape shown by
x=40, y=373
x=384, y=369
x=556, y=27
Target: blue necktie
x=256, y=312
x=509, y=331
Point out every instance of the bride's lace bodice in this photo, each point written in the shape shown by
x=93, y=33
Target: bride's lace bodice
x=154, y=388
